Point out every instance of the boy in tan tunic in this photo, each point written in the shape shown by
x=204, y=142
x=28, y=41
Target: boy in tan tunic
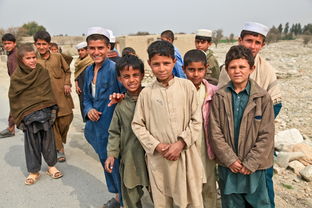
x=195, y=67
x=167, y=122
x=59, y=73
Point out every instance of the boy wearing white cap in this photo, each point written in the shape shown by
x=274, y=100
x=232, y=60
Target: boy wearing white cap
x=203, y=41
x=82, y=62
x=253, y=37
x=113, y=53
x=100, y=82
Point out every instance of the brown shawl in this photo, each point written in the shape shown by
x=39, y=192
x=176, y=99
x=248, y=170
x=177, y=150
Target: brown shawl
x=81, y=65
x=30, y=90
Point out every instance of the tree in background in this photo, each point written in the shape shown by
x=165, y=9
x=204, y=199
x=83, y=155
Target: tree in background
x=280, y=28
x=231, y=38
x=286, y=28
x=216, y=36
x=32, y=27
x=273, y=35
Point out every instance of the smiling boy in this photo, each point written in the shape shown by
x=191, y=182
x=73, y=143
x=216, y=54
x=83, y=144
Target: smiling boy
x=60, y=74
x=242, y=134
x=100, y=82
x=167, y=122
x=122, y=143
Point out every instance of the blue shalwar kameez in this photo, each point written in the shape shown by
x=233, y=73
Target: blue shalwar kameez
x=96, y=132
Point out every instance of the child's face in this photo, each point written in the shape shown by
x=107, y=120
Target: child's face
x=82, y=53
x=254, y=43
x=195, y=72
x=30, y=59
x=54, y=49
x=202, y=44
x=8, y=45
x=98, y=50
x=162, y=68
x=42, y=46
x=131, y=79
x=239, y=71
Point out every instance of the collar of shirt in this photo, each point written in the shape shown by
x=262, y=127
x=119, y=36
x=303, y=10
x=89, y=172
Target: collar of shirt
x=246, y=90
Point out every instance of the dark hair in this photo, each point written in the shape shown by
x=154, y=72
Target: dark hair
x=8, y=37
x=247, y=32
x=42, y=35
x=194, y=56
x=24, y=48
x=53, y=45
x=128, y=51
x=129, y=61
x=198, y=37
x=168, y=34
x=98, y=37
x=112, y=45
x=161, y=48
x=239, y=52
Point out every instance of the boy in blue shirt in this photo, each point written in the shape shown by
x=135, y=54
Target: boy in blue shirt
x=100, y=82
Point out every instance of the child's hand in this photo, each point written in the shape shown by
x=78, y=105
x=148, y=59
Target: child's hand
x=78, y=90
x=115, y=98
x=67, y=89
x=162, y=148
x=245, y=171
x=94, y=115
x=109, y=164
x=236, y=166
x=174, y=151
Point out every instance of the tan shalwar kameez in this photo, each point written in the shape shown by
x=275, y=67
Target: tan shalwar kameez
x=59, y=72
x=165, y=114
x=209, y=188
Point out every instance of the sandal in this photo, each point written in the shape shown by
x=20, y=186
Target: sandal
x=61, y=156
x=32, y=178
x=54, y=173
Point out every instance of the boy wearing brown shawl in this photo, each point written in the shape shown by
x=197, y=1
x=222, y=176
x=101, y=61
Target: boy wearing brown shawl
x=81, y=64
x=60, y=80
x=33, y=108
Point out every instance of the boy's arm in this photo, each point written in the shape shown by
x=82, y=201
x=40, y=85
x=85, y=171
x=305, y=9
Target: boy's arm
x=149, y=143
x=113, y=146
x=221, y=148
x=66, y=70
x=87, y=97
x=192, y=131
x=265, y=140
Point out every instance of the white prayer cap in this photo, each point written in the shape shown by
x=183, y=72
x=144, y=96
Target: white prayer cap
x=256, y=27
x=112, y=38
x=204, y=33
x=81, y=45
x=98, y=30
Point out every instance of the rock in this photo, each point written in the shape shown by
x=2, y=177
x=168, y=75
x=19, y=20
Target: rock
x=307, y=150
x=288, y=137
x=296, y=166
x=278, y=170
x=306, y=173
x=283, y=158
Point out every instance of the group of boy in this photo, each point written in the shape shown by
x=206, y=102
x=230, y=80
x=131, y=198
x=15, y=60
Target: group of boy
x=180, y=127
